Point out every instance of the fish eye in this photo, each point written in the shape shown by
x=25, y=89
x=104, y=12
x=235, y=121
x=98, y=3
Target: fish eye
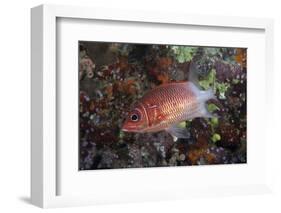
x=134, y=117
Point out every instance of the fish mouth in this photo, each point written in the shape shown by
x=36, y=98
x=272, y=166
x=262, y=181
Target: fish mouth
x=125, y=130
x=129, y=129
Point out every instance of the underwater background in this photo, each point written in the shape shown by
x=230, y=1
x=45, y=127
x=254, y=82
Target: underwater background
x=113, y=76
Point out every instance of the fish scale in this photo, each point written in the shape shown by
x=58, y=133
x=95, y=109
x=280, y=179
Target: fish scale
x=173, y=101
x=167, y=105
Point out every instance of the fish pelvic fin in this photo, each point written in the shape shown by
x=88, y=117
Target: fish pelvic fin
x=178, y=132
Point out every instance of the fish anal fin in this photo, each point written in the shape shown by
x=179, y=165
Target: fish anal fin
x=178, y=132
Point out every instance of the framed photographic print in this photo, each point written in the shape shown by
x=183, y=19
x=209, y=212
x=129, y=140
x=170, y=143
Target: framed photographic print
x=130, y=106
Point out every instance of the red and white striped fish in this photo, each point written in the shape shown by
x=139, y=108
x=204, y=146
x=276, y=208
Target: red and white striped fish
x=167, y=105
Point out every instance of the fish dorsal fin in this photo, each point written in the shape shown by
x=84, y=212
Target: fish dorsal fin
x=178, y=132
x=193, y=74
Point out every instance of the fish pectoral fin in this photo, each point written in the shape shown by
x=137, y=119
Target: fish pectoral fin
x=178, y=132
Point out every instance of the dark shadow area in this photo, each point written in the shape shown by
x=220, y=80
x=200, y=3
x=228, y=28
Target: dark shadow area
x=25, y=199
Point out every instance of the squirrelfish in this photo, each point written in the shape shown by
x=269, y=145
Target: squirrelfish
x=167, y=105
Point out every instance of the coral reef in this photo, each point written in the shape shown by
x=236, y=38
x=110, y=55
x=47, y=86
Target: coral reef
x=112, y=76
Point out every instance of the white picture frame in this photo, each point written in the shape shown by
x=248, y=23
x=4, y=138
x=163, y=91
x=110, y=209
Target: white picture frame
x=44, y=147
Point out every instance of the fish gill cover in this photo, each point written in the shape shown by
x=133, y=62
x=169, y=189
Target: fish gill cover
x=115, y=76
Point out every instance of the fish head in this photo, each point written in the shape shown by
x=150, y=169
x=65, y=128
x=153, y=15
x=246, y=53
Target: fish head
x=136, y=120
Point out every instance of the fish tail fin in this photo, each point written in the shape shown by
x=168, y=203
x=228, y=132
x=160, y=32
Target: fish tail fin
x=193, y=77
x=207, y=94
x=202, y=97
x=203, y=112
